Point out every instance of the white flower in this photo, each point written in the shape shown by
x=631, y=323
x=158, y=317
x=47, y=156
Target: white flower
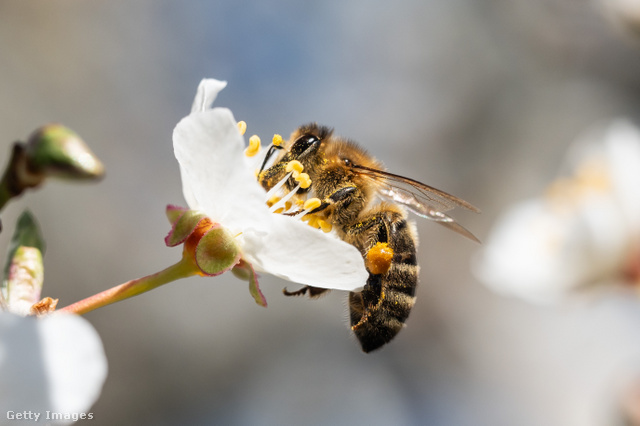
x=219, y=180
x=584, y=231
x=54, y=364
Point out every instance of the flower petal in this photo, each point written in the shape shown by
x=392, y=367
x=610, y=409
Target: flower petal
x=55, y=363
x=209, y=149
x=208, y=90
x=297, y=252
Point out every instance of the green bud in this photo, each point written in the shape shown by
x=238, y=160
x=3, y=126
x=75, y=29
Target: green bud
x=24, y=282
x=56, y=150
x=23, y=272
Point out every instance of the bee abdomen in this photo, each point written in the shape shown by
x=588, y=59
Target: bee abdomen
x=379, y=311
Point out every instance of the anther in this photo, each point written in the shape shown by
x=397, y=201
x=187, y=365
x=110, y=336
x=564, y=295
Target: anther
x=325, y=226
x=254, y=146
x=312, y=204
x=304, y=180
x=294, y=166
x=242, y=127
x=271, y=201
x=277, y=140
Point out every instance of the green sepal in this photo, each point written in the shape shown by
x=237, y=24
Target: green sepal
x=245, y=272
x=174, y=213
x=186, y=223
x=217, y=251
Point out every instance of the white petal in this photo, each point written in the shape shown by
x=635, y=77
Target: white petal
x=210, y=151
x=208, y=90
x=55, y=363
x=297, y=252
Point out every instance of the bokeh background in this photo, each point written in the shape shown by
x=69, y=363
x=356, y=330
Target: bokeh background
x=480, y=98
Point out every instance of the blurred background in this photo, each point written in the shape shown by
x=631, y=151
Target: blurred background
x=478, y=98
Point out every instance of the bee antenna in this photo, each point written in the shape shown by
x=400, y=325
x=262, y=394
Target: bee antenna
x=272, y=149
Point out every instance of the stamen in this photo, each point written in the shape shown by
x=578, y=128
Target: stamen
x=312, y=204
x=294, y=166
x=254, y=146
x=277, y=140
x=277, y=186
x=242, y=127
x=284, y=199
x=304, y=180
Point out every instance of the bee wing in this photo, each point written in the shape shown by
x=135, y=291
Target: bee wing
x=423, y=200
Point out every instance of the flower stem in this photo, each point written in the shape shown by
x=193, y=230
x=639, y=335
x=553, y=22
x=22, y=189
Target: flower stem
x=182, y=269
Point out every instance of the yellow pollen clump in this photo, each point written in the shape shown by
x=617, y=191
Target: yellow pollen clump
x=254, y=146
x=299, y=202
x=242, y=127
x=312, y=219
x=312, y=203
x=378, y=259
x=277, y=140
x=304, y=180
x=325, y=226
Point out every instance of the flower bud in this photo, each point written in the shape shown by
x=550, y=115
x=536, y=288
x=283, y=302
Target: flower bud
x=24, y=280
x=55, y=150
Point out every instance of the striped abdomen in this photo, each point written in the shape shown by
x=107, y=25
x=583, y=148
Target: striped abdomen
x=379, y=311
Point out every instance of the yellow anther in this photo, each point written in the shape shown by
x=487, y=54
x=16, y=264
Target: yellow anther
x=304, y=180
x=307, y=217
x=271, y=201
x=254, y=146
x=312, y=203
x=299, y=202
x=277, y=140
x=242, y=127
x=280, y=210
x=325, y=226
x=294, y=166
x=313, y=221
x=287, y=205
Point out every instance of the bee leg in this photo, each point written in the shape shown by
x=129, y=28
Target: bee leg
x=313, y=291
x=343, y=195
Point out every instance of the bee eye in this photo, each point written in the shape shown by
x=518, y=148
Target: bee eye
x=303, y=143
x=347, y=162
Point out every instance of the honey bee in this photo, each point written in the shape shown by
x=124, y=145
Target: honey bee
x=367, y=207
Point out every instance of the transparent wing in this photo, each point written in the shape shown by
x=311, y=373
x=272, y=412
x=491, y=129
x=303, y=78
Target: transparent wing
x=422, y=200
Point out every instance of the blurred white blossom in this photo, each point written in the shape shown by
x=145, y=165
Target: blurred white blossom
x=583, y=231
x=50, y=364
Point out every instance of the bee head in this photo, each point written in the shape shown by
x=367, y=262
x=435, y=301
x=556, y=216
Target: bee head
x=305, y=146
